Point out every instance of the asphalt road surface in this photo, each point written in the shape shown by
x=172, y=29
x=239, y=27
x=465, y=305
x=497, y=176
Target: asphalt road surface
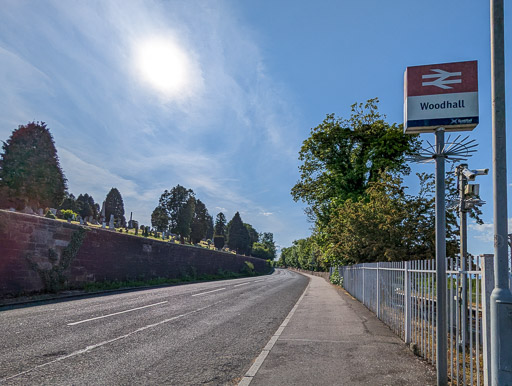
x=206, y=333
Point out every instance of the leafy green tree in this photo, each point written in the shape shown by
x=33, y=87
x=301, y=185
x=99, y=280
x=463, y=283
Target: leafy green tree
x=267, y=239
x=160, y=219
x=260, y=251
x=220, y=225
x=114, y=205
x=180, y=210
x=238, y=236
x=253, y=234
x=30, y=173
x=341, y=157
x=200, y=221
x=185, y=217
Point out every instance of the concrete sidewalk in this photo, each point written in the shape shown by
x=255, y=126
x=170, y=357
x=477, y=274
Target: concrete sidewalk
x=332, y=339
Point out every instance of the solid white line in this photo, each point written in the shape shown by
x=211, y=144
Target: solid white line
x=238, y=285
x=116, y=313
x=94, y=346
x=251, y=373
x=209, y=292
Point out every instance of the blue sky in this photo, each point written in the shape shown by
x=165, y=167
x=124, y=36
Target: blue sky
x=241, y=86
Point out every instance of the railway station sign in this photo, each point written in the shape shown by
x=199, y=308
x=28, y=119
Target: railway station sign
x=441, y=95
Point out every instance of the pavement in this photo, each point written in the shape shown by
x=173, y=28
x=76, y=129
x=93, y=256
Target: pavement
x=329, y=338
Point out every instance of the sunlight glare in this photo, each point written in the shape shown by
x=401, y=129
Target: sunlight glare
x=164, y=65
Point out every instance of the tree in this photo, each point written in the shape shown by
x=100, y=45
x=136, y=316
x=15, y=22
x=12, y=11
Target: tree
x=261, y=252
x=185, y=216
x=30, y=173
x=177, y=204
x=253, y=235
x=219, y=241
x=238, y=236
x=86, y=206
x=220, y=225
x=341, y=157
x=114, y=205
x=267, y=240
x=209, y=228
x=69, y=203
x=200, y=220
x=159, y=219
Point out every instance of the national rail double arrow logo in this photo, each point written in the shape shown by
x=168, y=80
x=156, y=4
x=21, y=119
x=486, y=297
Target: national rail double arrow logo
x=442, y=79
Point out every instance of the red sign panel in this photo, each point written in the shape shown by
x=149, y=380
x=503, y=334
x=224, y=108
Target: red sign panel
x=445, y=78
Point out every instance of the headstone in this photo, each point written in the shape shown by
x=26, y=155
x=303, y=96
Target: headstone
x=103, y=215
x=12, y=210
x=111, y=222
x=103, y=225
x=130, y=225
x=80, y=220
x=40, y=212
x=28, y=210
x=53, y=210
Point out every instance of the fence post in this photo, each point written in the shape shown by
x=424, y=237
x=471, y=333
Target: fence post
x=487, y=287
x=364, y=284
x=407, y=303
x=378, y=292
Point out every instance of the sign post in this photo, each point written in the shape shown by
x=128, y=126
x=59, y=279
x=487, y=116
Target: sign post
x=439, y=98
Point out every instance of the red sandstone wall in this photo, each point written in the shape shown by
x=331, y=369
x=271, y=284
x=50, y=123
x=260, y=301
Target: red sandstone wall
x=104, y=255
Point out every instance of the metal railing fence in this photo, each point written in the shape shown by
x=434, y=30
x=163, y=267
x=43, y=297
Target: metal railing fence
x=403, y=296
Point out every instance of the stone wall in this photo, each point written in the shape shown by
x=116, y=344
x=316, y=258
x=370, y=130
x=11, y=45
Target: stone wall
x=34, y=251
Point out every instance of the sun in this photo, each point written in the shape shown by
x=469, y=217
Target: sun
x=164, y=65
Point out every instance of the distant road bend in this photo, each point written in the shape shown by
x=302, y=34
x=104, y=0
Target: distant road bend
x=206, y=333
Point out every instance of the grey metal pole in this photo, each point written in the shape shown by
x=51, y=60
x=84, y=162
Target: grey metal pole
x=501, y=298
x=441, y=344
x=463, y=255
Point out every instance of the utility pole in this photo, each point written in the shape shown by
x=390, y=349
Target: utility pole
x=501, y=298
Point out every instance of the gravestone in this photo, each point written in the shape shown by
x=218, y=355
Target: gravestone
x=80, y=220
x=111, y=222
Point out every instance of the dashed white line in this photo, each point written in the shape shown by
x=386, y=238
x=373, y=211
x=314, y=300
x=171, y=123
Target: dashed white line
x=238, y=285
x=116, y=313
x=94, y=346
x=209, y=292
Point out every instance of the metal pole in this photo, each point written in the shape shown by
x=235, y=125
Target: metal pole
x=441, y=345
x=463, y=254
x=501, y=298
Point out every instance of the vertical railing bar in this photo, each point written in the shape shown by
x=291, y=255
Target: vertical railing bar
x=464, y=321
x=451, y=319
x=457, y=319
x=477, y=288
x=470, y=330
x=423, y=309
x=427, y=310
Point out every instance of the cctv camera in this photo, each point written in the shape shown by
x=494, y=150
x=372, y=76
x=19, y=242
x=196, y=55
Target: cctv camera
x=469, y=174
x=481, y=172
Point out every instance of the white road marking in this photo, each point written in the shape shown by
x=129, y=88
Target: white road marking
x=255, y=281
x=238, y=285
x=116, y=313
x=251, y=373
x=94, y=346
x=209, y=292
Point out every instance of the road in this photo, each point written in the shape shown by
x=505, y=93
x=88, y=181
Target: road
x=203, y=333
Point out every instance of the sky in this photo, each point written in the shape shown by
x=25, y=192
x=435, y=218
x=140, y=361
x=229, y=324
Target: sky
x=217, y=96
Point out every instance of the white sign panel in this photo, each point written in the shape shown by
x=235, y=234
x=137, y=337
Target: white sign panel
x=441, y=95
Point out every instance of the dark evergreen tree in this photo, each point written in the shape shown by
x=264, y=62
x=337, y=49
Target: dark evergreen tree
x=114, y=205
x=253, y=235
x=220, y=225
x=86, y=206
x=219, y=241
x=30, y=173
x=199, y=225
x=185, y=216
x=209, y=228
x=238, y=236
x=69, y=203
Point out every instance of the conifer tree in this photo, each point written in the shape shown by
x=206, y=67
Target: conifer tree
x=238, y=236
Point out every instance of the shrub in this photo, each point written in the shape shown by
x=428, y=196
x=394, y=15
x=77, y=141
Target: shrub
x=67, y=214
x=49, y=214
x=336, y=279
x=248, y=268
